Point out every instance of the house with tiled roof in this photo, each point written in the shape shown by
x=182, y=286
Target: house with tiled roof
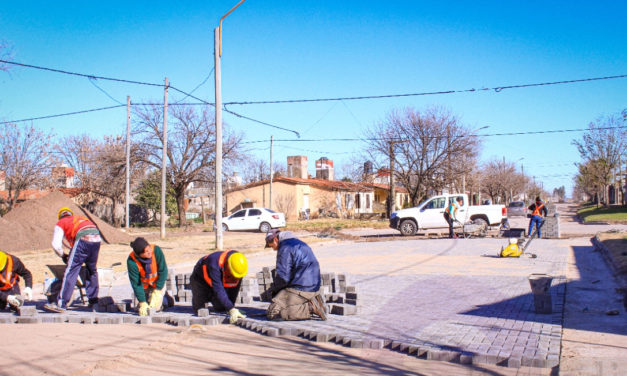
x=299, y=196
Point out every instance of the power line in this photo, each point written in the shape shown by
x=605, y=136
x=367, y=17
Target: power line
x=472, y=90
x=197, y=86
x=64, y=114
x=315, y=151
x=496, y=89
x=259, y=121
x=80, y=74
x=470, y=135
x=92, y=81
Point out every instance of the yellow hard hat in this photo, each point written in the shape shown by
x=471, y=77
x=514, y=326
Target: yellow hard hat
x=64, y=209
x=3, y=260
x=238, y=265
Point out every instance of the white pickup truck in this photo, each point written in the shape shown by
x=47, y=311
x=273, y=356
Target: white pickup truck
x=430, y=214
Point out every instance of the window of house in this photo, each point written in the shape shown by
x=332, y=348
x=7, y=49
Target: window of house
x=357, y=201
x=367, y=200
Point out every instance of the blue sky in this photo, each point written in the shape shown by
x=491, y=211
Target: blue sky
x=318, y=49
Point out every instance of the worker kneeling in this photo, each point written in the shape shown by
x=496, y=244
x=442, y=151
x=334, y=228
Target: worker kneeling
x=217, y=279
x=11, y=269
x=148, y=272
x=295, y=293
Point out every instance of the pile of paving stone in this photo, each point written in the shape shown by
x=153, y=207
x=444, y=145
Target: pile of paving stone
x=335, y=290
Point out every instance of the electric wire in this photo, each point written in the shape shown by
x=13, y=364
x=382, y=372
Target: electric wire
x=80, y=74
x=433, y=137
x=60, y=115
x=496, y=89
x=196, y=88
x=92, y=81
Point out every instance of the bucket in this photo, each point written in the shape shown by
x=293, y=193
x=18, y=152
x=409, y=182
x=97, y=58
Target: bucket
x=540, y=285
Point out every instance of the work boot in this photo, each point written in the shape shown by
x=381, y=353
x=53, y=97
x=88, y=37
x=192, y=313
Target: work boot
x=317, y=307
x=53, y=307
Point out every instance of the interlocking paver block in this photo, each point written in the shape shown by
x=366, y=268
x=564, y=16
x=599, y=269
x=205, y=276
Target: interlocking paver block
x=29, y=320
x=27, y=311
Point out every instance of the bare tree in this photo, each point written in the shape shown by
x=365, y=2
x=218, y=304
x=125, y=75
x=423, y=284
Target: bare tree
x=254, y=169
x=25, y=159
x=285, y=204
x=100, y=166
x=191, y=146
x=604, y=144
x=500, y=181
x=428, y=149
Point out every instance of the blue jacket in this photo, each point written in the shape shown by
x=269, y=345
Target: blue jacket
x=296, y=265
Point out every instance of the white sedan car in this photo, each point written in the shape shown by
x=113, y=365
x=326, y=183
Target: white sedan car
x=253, y=219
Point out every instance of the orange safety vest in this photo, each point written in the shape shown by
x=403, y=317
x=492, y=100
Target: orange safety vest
x=227, y=282
x=151, y=279
x=536, y=211
x=448, y=208
x=70, y=229
x=9, y=278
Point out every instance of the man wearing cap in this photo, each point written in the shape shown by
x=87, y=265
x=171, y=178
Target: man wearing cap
x=11, y=269
x=147, y=272
x=297, y=279
x=83, y=238
x=217, y=279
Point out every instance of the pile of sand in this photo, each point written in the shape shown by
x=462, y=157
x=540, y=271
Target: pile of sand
x=30, y=225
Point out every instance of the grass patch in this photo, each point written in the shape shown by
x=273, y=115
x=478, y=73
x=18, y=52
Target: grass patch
x=316, y=225
x=602, y=214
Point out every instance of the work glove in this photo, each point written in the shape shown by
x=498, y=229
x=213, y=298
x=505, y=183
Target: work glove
x=143, y=309
x=14, y=301
x=156, y=300
x=235, y=315
x=28, y=292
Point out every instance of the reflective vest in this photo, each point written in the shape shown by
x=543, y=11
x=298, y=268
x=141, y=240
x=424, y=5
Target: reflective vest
x=8, y=278
x=448, y=209
x=226, y=282
x=71, y=225
x=537, y=210
x=151, y=279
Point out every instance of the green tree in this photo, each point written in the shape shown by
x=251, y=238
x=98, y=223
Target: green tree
x=149, y=195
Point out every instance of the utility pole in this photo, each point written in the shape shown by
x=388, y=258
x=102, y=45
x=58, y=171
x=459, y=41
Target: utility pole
x=392, y=197
x=218, y=79
x=164, y=156
x=271, y=171
x=217, y=53
x=128, y=163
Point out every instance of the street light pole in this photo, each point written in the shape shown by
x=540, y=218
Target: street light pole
x=217, y=51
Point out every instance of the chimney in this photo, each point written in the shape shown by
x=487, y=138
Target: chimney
x=324, y=169
x=297, y=167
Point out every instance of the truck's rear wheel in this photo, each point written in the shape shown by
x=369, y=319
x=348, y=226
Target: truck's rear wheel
x=408, y=227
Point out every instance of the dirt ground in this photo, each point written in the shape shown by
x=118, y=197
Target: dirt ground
x=75, y=349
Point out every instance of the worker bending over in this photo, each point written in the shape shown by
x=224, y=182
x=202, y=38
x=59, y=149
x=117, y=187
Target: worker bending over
x=148, y=272
x=11, y=269
x=450, y=214
x=538, y=210
x=297, y=279
x=217, y=279
x=83, y=238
